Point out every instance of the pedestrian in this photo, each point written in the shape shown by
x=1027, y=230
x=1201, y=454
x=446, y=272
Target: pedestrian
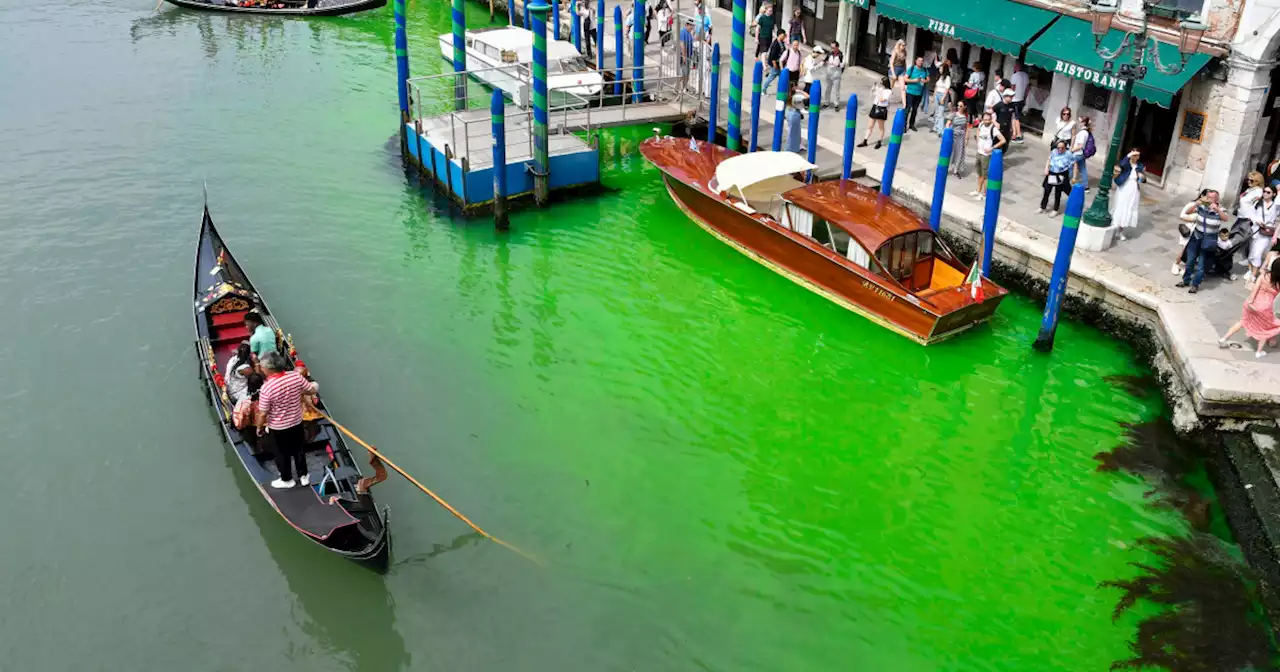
x=795, y=30
x=1205, y=219
x=1057, y=177
x=1004, y=112
x=1271, y=172
x=794, y=59
x=1268, y=209
x=933, y=66
x=703, y=24
x=973, y=86
x=794, y=117
x=1258, y=317
x=833, y=71
x=663, y=19
x=989, y=138
x=1021, y=82
x=914, y=81
x=898, y=67
x=280, y=413
x=994, y=96
x=1252, y=207
x=774, y=58
x=1064, y=128
x=880, y=94
x=942, y=97
x=648, y=22
x=686, y=54
x=1128, y=196
x=1082, y=145
x=588, y=33
x=958, y=126
x=811, y=69
x=763, y=26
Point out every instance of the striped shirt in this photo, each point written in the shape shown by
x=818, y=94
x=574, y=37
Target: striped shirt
x=281, y=399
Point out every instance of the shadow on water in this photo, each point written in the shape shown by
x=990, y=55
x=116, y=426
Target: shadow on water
x=1208, y=613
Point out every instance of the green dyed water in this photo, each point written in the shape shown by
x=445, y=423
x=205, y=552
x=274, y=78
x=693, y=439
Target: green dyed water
x=720, y=470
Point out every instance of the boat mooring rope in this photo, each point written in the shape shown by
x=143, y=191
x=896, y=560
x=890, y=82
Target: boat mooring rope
x=441, y=502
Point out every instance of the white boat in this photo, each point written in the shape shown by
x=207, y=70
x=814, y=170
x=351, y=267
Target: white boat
x=502, y=58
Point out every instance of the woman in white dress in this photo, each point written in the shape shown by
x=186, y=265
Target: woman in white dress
x=1262, y=214
x=1064, y=128
x=1128, y=197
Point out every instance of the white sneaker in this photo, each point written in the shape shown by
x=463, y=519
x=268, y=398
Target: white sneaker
x=1039, y=211
x=974, y=194
x=1176, y=269
x=1123, y=237
x=282, y=485
x=1223, y=342
x=306, y=479
x=1260, y=354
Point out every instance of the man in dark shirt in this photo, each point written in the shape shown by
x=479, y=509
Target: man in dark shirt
x=1004, y=111
x=773, y=59
x=764, y=30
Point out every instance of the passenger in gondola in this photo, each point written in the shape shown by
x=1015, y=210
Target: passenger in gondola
x=247, y=407
x=280, y=413
x=239, y=366
x=261, y=338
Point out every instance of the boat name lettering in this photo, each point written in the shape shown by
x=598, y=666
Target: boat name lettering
x=878, y=289
x=936, y=26
x=1101, y=79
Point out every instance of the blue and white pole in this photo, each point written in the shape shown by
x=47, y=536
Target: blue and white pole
x=617, y=50
x=780, y=109
x=459, y=56
x=940, y=178
x=995, y=179
x=541, y=159
x=895, y=148
x=850, y=131
x=600, y=35
x=1061, y=269
x=736, y=57
x=637, y=50
x=815, y=105
x=497, y=114
x=757, y=73
x=714, y=122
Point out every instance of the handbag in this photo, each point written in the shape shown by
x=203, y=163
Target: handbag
x=970, y=92
x=879, y=112
x=1053, y=179
x=1184, y=230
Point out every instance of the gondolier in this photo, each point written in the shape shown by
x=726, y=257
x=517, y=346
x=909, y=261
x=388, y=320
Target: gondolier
x=280, y=412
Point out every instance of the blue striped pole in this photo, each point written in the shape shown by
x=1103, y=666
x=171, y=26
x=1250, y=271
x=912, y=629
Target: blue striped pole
x=895, y=147
x=757, y=73
x=780, y=108
x=735, y=73
x=497, y=114
x=850, y=131
x=940, y=178
x=459, y=56
x=995, y=177
x=402, y=64
x=541, y=159
x=714, y=122
x=617, y=50
x=815, y=105
x=637, y=50
x=600, y=35
x=575, y=25
x=1061, y=268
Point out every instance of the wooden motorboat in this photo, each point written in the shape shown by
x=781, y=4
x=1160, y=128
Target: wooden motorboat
x=283, y=7
x=333, y=512
x=838, y=238
x=502, y=58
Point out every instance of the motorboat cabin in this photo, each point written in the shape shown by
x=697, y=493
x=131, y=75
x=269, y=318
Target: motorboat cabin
x=502, y=58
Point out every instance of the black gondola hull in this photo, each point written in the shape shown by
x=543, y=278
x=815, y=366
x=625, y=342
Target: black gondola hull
x=324, y=8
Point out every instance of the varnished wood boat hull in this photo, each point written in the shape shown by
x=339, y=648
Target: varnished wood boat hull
x=821, y=272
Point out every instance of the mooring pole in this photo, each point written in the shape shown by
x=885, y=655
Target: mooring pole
x=555, y=17
x=940, y=178
x=757, y=72
x=780, y=109
x=735, y=73
x=541, y=160
x=575, y=25
x=850, y=133
x=497, y=112
x=895, y=147
x=600, y=36
x=617, y=50
x=637, y=50
x=459, y=56
x=995, y=176
x=1061, y=269
x=402, y=71
x=815, y=105
x=714, y=109
x=528, y=25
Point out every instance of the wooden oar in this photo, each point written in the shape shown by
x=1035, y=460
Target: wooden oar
x=374, y=451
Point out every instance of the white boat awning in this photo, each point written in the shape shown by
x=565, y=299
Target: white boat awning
x=745, y=170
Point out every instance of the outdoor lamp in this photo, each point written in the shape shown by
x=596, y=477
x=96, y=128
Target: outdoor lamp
x=1191, y=30
x=1102, y=12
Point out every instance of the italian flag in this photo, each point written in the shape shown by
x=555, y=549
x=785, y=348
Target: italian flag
x=975, y=281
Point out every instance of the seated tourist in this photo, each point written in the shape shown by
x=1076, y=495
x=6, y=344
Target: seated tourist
x=239, y=366
x=261, y=338
x=247, y=407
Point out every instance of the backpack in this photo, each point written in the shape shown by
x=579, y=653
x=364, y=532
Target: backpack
x=1089, y=147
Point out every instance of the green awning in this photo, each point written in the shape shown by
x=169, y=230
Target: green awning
x=1067, y=47
x=1002, y=25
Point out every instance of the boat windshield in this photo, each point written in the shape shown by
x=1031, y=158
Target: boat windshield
x=909, y=259
x=568, y=65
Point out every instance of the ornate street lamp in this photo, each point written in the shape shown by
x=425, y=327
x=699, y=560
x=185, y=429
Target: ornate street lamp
x=1103, y=12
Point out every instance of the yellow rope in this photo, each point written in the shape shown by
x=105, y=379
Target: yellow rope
x=427, y=490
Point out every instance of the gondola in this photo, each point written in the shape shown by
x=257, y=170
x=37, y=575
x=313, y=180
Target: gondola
x=293, y=8
x=334, y=512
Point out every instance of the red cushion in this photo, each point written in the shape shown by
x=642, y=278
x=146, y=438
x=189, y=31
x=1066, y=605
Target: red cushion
x=237, y=332
x=223, y=319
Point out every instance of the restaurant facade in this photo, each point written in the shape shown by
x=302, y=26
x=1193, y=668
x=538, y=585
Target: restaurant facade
x=1205, y=127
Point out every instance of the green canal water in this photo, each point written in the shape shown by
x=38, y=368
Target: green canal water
x=718, y=470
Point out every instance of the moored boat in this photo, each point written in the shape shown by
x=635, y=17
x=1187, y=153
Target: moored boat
x=840, y=239
x=502, y=58
x=335, y=512
x=282, y=7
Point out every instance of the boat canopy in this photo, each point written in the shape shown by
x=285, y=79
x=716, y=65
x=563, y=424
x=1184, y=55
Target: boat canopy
x=758, y=172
